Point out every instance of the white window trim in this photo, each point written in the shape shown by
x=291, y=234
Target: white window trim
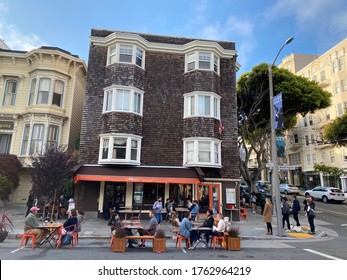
x=127, y=159
x=113, y=91
x=196, y=140
x=116, y=54
x=194, y=56
x=196, y=94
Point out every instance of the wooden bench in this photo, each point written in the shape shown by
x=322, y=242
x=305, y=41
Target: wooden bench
x=143, y=237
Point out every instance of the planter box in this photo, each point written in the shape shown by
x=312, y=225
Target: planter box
x=118, y=245
x=233, y=243
x=159, y=245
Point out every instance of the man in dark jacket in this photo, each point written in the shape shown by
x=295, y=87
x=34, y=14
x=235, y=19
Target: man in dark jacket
x=296, y=210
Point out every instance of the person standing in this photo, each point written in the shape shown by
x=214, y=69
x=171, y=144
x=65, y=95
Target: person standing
x=296, y=209
x=30, y=224
x=285, y=212
x=253, y=202
x=61, y=207
x=194, y=209
x=158, y=207
x=310, y=208
x=267, y=215
x=30, y=202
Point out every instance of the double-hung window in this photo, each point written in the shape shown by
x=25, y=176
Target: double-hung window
x=202, y=60
x=202, y=104
x=126, y=53
x=36, y=145
x=123, y=99
x=120, y=148
x=52, y=137
x=10, y=93
x=202, y=152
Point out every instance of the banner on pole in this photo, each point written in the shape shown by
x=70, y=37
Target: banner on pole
x=278, y=109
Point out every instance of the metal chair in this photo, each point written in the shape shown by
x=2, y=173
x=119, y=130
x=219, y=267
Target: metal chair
x=25, y=238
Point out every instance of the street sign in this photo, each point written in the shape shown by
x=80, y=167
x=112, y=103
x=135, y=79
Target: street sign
x=286, y=167
x=270, y=165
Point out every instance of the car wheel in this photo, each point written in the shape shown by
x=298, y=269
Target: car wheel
x=324, y=199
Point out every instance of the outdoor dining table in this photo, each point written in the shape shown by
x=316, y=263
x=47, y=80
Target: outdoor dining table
x=133, y=226
x=50, y=229
x=201, y=232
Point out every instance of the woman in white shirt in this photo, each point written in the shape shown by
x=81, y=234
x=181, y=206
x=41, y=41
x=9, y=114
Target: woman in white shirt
x=220, y=228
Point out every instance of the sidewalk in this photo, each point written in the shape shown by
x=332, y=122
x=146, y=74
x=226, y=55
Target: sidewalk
x=253, y=229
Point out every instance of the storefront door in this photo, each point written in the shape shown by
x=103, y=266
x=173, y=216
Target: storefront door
x=209, y=197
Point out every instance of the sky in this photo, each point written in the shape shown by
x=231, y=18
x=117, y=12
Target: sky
x=258, y=27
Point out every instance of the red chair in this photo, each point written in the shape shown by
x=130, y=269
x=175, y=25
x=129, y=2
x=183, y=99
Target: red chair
x=179, y=239
x=243, y=213
x=220, y=239
x=26, y=237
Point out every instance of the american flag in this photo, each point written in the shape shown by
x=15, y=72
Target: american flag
x=221, y=127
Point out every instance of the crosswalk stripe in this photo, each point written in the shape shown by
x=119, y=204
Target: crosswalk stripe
x=322, y=254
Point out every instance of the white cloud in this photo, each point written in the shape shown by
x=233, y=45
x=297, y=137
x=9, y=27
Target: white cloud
x=13, y=37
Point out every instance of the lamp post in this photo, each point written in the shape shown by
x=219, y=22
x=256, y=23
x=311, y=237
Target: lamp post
x=274, y=180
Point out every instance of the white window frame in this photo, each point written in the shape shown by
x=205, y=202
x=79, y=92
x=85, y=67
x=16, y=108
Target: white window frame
x=53, y=136
x=123, y=99
x=193, y=103
x=37, y=139
x=9, y=98
x=119, y=51
x=199, y=60
x=132, y=151
x=202, y=151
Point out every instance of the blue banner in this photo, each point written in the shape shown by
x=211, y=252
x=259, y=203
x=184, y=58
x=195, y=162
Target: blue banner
x=278, y=111
x=281, y=146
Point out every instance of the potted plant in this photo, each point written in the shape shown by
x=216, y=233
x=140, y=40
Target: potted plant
x=159, y=242
x=118, y=241
x=5, y=225
x=233, y=239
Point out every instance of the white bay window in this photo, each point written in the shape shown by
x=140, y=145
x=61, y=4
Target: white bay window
x=125, y=53
x=202, y=152
x=120, y=148
x=202, y=60
x=201, y=104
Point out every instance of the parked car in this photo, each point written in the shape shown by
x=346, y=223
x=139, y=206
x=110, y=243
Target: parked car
x=263, y=187
x=326, y=194
x=289, y=189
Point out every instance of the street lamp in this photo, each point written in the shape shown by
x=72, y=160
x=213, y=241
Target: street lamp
x=275, y=181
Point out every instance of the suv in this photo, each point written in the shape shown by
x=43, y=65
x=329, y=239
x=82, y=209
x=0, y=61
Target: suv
x=263, y=187
x=326, y=194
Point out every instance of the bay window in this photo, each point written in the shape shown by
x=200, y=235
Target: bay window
x=202, y=60
x=202, y=152
x=120, y=148
x=202, y=104
x=123, y=99
x=125, y=53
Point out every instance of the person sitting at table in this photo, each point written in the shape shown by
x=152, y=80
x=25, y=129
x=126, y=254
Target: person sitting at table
x=194, y=209
x=30, y=224
x=175, y=222
x=219, y=230
x=186, y=226
x=208, y=223
x=152, y=227
x=114, y=222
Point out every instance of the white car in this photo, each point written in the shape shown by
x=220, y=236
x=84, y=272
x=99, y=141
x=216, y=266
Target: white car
x=289, y=189
x=326, y=194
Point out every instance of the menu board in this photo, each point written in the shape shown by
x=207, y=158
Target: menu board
x=230, y=196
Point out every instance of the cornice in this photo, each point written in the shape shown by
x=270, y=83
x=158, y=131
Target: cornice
x=121, y=37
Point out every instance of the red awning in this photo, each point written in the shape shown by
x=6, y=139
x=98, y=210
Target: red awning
x=139, y=174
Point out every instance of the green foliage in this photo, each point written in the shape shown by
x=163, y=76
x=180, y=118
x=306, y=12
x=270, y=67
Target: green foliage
x=9, y=175
x=329, y=170
x=5, y=188
x=336, y=131
x=119, y=233
x=52, y=171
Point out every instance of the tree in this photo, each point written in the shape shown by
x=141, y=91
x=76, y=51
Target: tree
x=336, y=131
x=9, y=175
x=299, y=96
x=52, y=171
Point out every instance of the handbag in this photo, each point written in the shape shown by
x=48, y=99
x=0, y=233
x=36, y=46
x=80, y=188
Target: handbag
x=311, y=213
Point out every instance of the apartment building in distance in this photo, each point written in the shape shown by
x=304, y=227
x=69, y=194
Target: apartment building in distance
x=305, y=143
x=159, y=120
x=42, y=93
